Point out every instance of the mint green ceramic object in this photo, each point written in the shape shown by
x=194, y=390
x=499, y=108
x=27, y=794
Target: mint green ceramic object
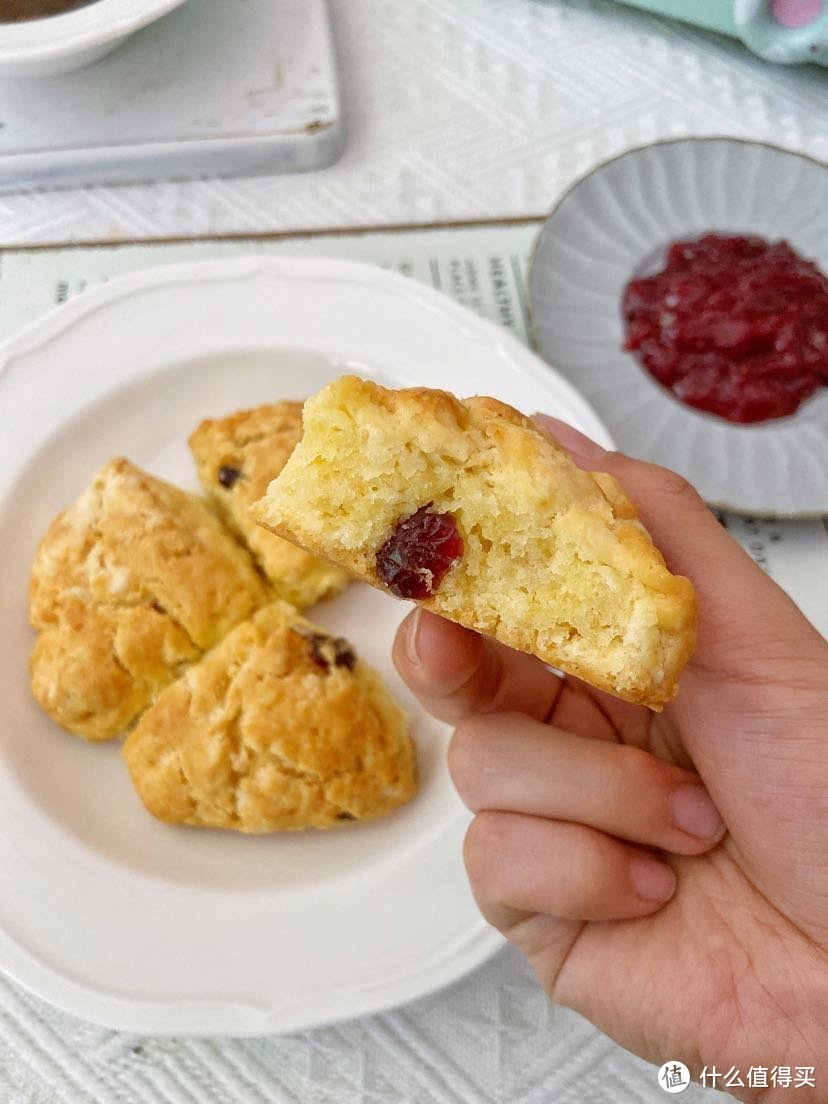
x=786, y=31
x=715, y=15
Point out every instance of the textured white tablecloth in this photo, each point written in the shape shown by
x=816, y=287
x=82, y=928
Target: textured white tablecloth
x=492, y=1038
x=456, y=109
x=465, y=109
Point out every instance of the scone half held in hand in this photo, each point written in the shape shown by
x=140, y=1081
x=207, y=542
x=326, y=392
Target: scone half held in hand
x=237, y=457
x=130, y=585
x=476, y=512
x=280, y=727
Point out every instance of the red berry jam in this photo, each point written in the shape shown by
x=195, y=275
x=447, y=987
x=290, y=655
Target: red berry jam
x=422, y=549
x=736, y=326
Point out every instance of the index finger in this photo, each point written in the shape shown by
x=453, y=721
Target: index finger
x=738, y=602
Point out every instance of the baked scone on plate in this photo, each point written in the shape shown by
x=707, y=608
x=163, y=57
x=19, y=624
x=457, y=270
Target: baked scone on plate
x=237, y=457
x=130, y=585
x=475, y=512
x=281, y=727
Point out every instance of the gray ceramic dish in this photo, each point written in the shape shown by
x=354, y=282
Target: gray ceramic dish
x=615, y=223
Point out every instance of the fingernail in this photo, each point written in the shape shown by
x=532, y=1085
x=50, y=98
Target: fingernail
x=412, y=631
x=575, y=442
x=693, y=811
x=654, y=881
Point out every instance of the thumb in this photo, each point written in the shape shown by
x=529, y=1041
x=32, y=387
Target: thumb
x=744, y=617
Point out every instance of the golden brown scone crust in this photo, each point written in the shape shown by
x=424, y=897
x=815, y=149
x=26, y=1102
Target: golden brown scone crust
x=555, y=562
x=237, y=457
x=130, y=585
x=280, y=727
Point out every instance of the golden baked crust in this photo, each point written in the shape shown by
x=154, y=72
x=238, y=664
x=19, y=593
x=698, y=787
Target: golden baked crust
x=130, y=585
x=554, y=561
x=237, y=457
x=280, y=727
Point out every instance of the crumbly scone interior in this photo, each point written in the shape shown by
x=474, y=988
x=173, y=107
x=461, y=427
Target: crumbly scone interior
x=554, y=561
x=247, y=449
x=280, y=727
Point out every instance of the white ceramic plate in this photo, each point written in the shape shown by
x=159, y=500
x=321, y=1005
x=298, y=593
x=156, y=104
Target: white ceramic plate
x=106, y=912
x=615, y=224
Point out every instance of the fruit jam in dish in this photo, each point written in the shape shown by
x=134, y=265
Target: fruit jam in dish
x=735, y=326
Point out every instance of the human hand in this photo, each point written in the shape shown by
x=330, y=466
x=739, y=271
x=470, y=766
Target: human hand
x=595, y=847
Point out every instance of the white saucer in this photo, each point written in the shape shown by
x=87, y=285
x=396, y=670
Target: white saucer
x=105, y=912
x=616, y=223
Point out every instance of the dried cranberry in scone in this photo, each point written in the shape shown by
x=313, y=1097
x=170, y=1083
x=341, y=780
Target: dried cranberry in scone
x=328, y=651
x=228, y=475
x=419, y=553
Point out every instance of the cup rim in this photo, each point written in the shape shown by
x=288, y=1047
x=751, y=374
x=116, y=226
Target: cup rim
x=93, y=24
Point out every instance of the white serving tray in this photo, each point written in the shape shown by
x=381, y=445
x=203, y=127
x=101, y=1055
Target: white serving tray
x=219, y=87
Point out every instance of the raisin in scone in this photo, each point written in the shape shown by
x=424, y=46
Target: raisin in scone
x=237, y=457
x=280, y=727
x=130, y=585
x=471, y=509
